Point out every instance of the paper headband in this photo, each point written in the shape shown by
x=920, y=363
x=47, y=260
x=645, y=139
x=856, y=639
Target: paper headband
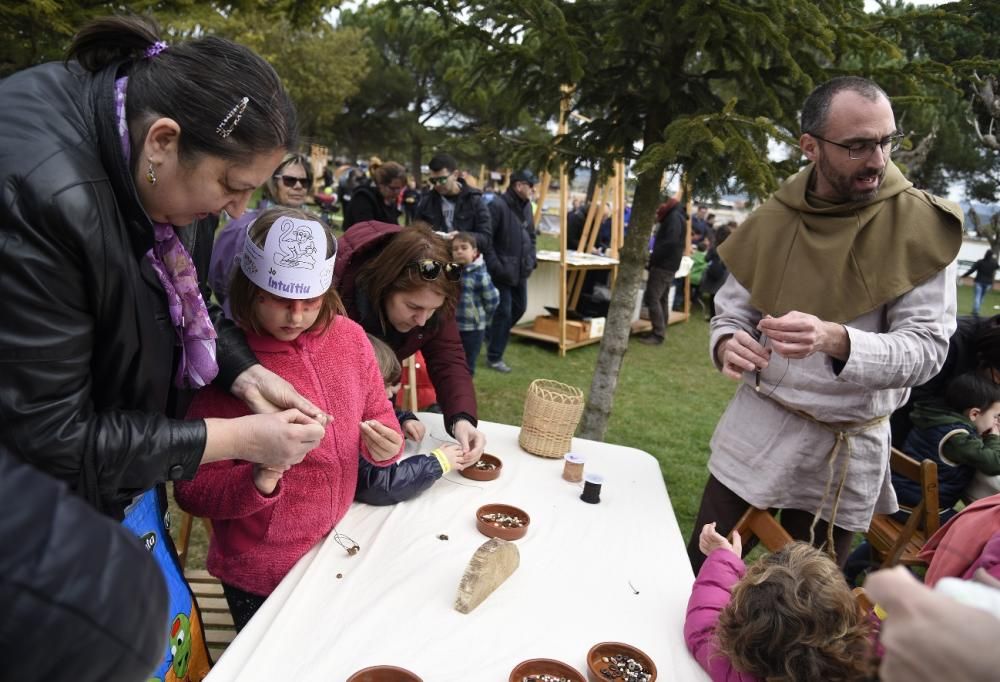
x=292, y=263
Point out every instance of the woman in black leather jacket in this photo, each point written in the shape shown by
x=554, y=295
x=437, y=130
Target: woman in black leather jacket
x=105, y=330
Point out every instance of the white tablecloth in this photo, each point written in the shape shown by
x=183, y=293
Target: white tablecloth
x=393, y=604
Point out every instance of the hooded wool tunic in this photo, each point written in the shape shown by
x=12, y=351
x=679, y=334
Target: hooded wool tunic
x=898, y=313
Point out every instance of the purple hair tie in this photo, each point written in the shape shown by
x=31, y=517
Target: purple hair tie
x=155, y=49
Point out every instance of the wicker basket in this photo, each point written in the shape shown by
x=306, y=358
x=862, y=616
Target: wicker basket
x=551, y=413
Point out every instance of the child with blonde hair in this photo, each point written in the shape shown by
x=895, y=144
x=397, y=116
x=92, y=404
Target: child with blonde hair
x=409, y=477
x=788, y=617
x=265, y=520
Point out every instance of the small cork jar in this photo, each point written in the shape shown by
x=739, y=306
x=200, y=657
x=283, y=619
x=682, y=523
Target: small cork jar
x=573, y=468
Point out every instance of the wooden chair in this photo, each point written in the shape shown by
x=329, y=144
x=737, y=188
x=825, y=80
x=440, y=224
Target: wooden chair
x=899, y=543
x=761, y=524
x=215, y=615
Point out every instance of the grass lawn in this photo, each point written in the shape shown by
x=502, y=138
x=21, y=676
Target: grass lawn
x=668, y=401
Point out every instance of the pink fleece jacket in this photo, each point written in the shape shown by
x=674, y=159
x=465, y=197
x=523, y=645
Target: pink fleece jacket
x=710, y=594
x=256, y=540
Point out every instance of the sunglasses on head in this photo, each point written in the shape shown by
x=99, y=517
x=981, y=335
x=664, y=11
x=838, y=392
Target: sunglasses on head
x=430, y=269
x=291, y=181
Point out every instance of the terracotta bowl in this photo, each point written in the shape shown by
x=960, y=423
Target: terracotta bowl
x=598, y=652
x=383, y=673
x=490, y=530
x=484, y=474
x=544, y=666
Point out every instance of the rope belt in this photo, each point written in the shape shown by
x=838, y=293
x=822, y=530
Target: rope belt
x=842, y=433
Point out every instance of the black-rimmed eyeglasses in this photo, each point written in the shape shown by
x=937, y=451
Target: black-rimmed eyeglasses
x=430, y=269
x=864, y=149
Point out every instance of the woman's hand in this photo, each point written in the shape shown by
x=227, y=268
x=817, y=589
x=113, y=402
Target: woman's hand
x=414, y=430
x=472, y=440
x=382, y=442
x=276, y=440
x=710, y=540
x=264, y=391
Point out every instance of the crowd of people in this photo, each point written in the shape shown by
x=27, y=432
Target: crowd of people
x=271, y=414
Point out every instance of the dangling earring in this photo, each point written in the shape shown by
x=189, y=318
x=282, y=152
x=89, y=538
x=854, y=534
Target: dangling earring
x=150, y=173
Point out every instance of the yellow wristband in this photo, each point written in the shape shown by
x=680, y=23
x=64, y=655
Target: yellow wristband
x=442, y=460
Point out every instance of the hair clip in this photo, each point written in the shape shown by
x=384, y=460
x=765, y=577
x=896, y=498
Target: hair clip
x=226, y=125
x=155, y=49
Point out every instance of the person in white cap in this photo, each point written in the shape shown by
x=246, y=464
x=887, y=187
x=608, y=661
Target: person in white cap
x=282, y=298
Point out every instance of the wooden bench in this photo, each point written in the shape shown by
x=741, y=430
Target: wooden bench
x=215, y=615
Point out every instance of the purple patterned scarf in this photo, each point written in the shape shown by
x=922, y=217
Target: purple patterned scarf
x=175, y=270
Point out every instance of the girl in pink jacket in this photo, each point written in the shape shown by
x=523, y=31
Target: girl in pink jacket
x=790, y=616
x=265, y=520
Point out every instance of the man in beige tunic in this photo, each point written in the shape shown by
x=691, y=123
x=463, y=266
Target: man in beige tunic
x=841, y=297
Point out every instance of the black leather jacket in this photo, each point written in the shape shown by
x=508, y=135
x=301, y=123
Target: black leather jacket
x=87, y=350
x=82, y=599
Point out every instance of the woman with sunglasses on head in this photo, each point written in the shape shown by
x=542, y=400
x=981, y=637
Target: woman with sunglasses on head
x=379, y=200
x=106, y=169
x=401, y=286
x=288, y=186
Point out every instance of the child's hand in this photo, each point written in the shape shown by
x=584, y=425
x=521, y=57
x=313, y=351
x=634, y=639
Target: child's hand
x=710, y=540
x=414, y=430
x=453, y=451
x=383, y=443
x=266, y=479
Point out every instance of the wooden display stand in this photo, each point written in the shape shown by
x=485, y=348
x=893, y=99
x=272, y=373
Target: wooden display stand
x=565, y=333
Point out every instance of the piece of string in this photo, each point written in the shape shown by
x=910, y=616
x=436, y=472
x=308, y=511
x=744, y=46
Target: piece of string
x=788, y=363
x=464, y=485
x=442, y=441
x=841, y=434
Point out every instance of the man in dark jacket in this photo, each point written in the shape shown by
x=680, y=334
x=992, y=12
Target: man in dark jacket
x=83, y=600
x=663, y=263
x=509, y=251
x=452, y=205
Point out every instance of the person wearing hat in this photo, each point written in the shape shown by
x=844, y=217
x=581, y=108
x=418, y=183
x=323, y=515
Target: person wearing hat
x=509, y=251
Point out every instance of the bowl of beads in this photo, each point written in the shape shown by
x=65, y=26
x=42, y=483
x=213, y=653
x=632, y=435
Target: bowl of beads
x=383, y=673
x=544, y=670
x=502, y=521
x=617, y=662
x=486, y=469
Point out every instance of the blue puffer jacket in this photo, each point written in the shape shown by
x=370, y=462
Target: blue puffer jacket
x=398, y=482
x=404, y=480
